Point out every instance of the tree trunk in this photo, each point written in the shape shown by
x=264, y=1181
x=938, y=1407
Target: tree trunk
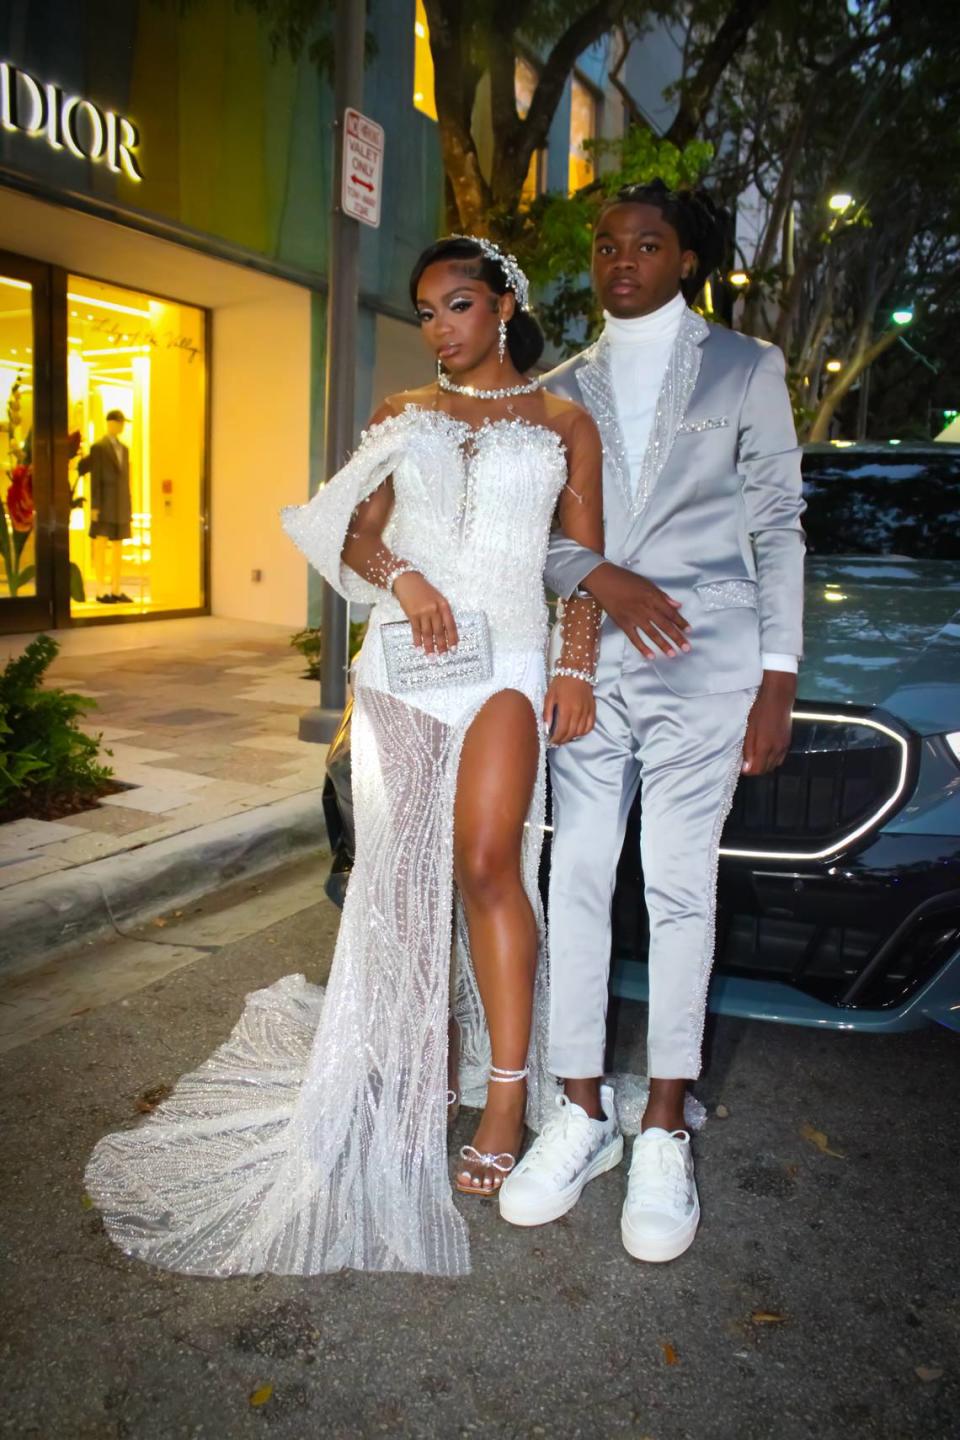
x=820, y=429
x=455, y=88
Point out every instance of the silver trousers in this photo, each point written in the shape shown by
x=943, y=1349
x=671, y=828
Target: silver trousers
x=685, y=754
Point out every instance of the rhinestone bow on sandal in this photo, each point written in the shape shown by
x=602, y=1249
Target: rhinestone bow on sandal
x=503, y=1162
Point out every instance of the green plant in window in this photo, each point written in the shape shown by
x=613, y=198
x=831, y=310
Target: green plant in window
x=17, y=512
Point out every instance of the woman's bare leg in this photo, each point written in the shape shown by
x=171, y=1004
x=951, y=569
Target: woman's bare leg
x=498, y=769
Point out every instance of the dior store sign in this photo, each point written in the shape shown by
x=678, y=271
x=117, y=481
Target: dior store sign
x=62, y=121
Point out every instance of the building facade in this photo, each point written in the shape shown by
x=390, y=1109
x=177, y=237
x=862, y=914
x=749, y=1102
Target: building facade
x=165, y=190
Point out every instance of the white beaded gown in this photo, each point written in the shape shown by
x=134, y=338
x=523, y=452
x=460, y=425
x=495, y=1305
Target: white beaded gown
x=315, y=1138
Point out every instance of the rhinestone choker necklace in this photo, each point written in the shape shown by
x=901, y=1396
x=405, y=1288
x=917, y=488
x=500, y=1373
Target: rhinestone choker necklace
x=445, y=383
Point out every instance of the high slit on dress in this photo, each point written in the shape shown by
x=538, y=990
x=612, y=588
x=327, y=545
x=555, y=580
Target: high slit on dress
x=315, y=1138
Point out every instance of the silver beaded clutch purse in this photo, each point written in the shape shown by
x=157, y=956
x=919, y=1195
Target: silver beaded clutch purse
x=410, y=668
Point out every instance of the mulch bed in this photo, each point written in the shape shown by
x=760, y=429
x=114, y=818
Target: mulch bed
x=28, y=806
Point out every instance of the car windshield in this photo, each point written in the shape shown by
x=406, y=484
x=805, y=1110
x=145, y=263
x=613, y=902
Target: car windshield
x=906, y=505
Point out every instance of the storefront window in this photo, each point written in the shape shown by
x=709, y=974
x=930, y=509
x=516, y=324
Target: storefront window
x=136, y=379
x=423, y=96
x=18, y=570
x=583, y=127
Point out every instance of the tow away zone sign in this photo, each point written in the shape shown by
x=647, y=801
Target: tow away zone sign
x=362, y=168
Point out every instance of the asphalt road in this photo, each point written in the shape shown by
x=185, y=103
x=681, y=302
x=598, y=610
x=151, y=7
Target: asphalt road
x=820, y=1298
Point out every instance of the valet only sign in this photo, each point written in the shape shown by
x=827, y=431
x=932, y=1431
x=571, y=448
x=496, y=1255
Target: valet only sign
x=362, y=186
x=48, y=114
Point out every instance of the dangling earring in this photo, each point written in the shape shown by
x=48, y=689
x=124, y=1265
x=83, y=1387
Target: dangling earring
x=439, y=368
x=502, y=340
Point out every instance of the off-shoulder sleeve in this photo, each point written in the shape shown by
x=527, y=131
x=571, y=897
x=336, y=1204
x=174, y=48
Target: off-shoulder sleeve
x=320, y=527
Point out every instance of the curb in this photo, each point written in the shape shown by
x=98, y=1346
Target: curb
x=40, y=916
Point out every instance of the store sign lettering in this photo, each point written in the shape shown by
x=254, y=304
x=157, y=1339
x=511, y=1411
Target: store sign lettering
x=67, y=122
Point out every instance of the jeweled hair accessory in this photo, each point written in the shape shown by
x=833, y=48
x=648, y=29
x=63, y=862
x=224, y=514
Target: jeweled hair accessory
x=509, y=264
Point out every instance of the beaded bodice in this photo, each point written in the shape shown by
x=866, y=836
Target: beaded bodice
x=473, y=511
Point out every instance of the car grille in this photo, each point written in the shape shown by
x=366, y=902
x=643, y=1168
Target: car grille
x=855, y=966
x=843, y=774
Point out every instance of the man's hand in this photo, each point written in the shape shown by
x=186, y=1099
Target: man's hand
x=640, y=608
x=569, y=709
x=768, y=728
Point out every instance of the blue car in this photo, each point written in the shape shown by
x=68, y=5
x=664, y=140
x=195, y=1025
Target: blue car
x=839, y=880
x=839, y=891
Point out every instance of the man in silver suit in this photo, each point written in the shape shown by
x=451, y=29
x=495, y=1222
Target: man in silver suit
x=702, y=585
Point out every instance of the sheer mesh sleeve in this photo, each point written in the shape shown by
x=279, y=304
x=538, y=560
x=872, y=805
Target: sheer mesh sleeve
x=580, y=512
x=321, y=527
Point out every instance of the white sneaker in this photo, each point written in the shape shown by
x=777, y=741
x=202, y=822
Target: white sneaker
x=570, y=1150
x=662, y=1210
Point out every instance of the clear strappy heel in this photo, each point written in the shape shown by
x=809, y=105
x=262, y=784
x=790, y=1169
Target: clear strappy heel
x=501, y=1163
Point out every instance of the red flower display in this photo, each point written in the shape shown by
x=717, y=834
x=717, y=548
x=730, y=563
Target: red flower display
x=20, y=498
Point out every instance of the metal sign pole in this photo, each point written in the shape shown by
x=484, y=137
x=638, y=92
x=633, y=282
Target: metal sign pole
x=341, y=358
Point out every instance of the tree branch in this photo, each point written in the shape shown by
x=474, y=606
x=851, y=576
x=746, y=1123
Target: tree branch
x=585, y=31
x=697, y=92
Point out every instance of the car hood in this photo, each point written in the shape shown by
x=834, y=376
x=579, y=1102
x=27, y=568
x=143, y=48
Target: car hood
x=884, y=632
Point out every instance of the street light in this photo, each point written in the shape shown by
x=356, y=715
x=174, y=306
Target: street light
x=834, y=366
x=902, y=317
x=840, y=202
x=739, y=278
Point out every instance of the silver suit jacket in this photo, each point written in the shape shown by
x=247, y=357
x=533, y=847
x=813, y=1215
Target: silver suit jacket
x=715, y=518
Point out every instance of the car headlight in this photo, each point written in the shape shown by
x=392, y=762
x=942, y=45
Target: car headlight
x=953, y=740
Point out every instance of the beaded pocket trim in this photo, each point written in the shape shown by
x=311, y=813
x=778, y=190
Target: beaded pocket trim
x=727, y=594
x=410, y=668
x=694, y=427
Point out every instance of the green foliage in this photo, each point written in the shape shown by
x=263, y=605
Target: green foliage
x=44, y=757
x=551, y=239
x=310, y=644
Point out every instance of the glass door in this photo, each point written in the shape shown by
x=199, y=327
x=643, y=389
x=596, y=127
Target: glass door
x=26, y=515
x=136, y=425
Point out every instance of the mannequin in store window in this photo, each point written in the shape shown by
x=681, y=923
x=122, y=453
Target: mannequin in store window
x=108, y=465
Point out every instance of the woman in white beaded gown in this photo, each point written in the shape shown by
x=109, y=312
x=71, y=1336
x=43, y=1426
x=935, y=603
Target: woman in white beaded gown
x=315, y=1138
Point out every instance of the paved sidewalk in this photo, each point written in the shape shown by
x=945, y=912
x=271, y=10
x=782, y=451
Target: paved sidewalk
x=200, y=718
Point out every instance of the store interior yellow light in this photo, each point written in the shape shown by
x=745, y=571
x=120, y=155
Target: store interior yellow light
x=739, y=278
x=841, y=444
x=107, y=305
x=833, y=366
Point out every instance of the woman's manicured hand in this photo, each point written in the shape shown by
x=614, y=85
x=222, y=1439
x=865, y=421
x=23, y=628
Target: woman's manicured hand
x=430, y=616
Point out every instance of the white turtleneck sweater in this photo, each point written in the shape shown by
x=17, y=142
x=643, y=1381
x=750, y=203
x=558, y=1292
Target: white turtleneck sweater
x=639, y=351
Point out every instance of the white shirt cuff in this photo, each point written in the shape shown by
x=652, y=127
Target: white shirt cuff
x=772, y=661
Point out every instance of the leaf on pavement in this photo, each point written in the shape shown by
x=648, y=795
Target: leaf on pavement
x=148, y=1101
x=261, y=1395
x=722, y=1113
x=86, y=1202
x=819, y=1139
x=768, y=1317
x=669, y=1353
x=928, y=1372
